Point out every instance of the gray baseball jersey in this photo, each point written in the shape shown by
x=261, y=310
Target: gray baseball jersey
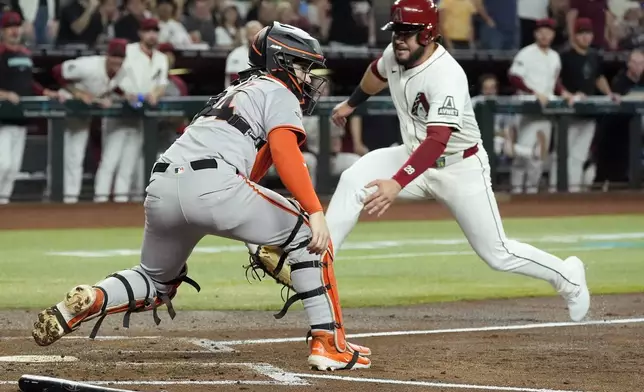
x=264, y=103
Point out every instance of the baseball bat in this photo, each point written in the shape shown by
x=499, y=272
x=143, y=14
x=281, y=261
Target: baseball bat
x=30, y=383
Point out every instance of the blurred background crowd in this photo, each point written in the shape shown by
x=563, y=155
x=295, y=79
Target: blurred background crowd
x=203, y=24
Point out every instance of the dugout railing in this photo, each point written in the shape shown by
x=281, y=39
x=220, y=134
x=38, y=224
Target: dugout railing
x=485, y=108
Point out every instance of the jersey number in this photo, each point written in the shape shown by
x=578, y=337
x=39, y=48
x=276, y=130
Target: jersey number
x=219, y=106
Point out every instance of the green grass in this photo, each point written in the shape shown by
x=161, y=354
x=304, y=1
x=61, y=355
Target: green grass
x=30, y=278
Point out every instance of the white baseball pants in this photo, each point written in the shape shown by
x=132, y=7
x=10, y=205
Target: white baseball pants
x=580, y=136
x=533, y=136
x=12, y=148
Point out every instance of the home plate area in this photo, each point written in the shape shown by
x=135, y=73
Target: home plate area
x=523, y=346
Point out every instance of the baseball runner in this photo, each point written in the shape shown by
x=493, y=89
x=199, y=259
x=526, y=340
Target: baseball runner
x=203, y=185
x=91, y=79
x=442, y=156
x=16, y=80
x=146, y=76
x=534, y=71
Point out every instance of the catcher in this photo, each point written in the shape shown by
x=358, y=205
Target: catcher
x=204, y=184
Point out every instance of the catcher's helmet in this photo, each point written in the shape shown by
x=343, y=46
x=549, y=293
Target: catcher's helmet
x=277, y=48
x=415, y=16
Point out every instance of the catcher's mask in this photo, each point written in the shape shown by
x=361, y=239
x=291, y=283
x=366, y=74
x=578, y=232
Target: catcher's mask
x=290, y=55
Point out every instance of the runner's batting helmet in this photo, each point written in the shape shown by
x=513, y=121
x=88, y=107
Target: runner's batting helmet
x=410, y=16
x=277, y=48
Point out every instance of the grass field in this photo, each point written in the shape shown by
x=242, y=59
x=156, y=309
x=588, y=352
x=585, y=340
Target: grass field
x=382, y=264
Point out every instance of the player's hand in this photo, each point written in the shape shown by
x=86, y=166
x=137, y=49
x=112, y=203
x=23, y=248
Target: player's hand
x=152, y=99
x=543, y=99
x=12, y=97
x=360, y=149
x=86, y=98
x=379, y=201
x=572, y=98
x=616, y=98
x=340, y=113
x=105, y=103
x=320, y=233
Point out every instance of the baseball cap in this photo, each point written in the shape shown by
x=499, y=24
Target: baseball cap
x=547, y=22
x=165, y=47
x=10, y=19
x=117, y=47
x=149, y=24
x=583, y=25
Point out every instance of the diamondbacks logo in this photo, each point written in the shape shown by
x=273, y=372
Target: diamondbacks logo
x=397, y=17
x=448, y=108
x=420, y=107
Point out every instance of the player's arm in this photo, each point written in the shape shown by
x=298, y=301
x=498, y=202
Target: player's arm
x=518, y=72
x=373, y=81
x=68, y=73
x=285, y=133
x=159, y=89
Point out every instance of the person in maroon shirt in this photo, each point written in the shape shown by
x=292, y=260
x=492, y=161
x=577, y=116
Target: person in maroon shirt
x=597, y=11
x=16, y=81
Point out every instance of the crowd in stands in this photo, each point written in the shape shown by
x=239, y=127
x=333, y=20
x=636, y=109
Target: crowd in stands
x=190, y=24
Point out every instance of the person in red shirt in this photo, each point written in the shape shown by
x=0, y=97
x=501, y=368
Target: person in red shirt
x=597, y=11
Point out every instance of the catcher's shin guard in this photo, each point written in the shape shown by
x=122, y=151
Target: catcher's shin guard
x=329, y=346
x=126, y=291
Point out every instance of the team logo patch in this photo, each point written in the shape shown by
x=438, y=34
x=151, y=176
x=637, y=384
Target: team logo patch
x=448, y=108
x=397, y=17
x=179, y=170
x=157, y=75
x=420, y=107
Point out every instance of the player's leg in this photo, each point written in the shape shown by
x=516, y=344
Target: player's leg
x=168, y=240
x=76, y=136
x=466, y=189
x=534, y=170
x=16, y=137
x=229, y=205
x=347, y=201
x=137, y=188
x=6, y=137
x=580, y=136
x=114, y=139
x=130, y=156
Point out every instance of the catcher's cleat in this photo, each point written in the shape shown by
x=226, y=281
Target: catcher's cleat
x=80, y=303
x=324, y=355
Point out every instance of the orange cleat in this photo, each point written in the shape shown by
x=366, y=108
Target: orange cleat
x=324, y=355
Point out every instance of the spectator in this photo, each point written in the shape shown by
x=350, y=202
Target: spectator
x=597, y=11
x=352, y=23
x=529, y=11
x=171, y=31
x=39, y=17
x=318, y=17
x=534, y=71
x=200, y=24
x=499, y=30
x=288, y=13
x=127, y=26
x=237, y=59
x=630, y=31
x=229, y=33
x=612, y=142
x=457, y=25
x=16, y=80
x=581, y=75
x=558, y=11
x=505, y=125
x=81, y=22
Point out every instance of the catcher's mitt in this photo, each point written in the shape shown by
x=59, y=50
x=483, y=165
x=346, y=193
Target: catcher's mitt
x=270, y=260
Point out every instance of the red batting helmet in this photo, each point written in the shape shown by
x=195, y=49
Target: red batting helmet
x=415, y=15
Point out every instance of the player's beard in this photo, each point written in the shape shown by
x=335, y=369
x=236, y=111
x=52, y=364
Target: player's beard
x=150, y=44
x=413, y=57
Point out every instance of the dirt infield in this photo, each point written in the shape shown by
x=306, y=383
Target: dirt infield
x=91, y=215
x=523, y=345
x=525, y=354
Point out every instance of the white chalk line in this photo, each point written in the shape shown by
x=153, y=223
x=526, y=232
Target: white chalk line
x=370, y=245
x=425, y=383
x=172, y=382
x=443, y=331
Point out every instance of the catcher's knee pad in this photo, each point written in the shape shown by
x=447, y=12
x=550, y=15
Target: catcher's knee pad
x=133, y=291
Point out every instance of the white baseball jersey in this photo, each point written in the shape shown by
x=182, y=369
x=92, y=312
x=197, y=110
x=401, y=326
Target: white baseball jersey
x=143, y=73
x=538, y=68
x=435, y=92
x=237, y=60
x=89, y=73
